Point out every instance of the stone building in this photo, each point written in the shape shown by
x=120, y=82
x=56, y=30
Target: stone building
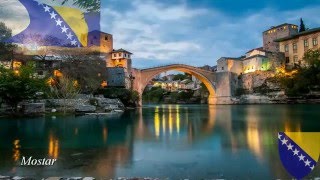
x=276, y=32
x=100, y=41
x=255, y=60
x=119, y=69
x=229, y=64
x=294, y=46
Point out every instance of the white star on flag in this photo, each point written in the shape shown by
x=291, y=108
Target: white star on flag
x=290, y=146
x=58, y=22
x=295, y=152
x=53, y=15
x=301, y=157
x=312, y=167
x=307, y=162
x=69, y=36
x=279, y=136
x=74, y=42
x=284, y=141
x=46, y=8
x=64, y=29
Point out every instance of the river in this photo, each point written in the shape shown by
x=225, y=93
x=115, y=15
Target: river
x=163, y=141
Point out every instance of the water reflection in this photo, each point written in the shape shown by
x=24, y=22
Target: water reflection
x=181, y=141
x=53, y=147
x=16, y=150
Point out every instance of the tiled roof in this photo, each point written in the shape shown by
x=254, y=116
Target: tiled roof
x=121, y=50
x=310, y=31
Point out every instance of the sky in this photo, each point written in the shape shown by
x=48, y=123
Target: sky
x=193, y=32
x=198, y=32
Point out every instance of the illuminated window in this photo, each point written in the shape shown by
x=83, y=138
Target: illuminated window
x=305, y=43
x=315, y=41
x=286, y=48
x=284, y=27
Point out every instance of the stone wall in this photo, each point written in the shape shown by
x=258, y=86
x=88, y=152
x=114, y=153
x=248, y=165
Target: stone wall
x=253, y=80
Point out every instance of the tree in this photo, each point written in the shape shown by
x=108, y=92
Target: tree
x=303, y=79
x=181, y=77
x=91, y=6
x=85, y=66
x=6, y=49
x=19, y=85
x=65, y=88
x=302, y=26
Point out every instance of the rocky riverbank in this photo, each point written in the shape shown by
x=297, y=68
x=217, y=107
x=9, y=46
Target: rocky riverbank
x=79, y=105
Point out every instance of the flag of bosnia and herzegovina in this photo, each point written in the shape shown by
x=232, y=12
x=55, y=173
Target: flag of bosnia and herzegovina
x=299, y=152
x=57, y=25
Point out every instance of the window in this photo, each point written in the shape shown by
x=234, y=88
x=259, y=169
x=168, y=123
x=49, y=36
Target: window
x=120, y=54
x=114, y=55
x=222, y=68
x=294, y=47
x=295, y=59
x=106, y=38
x=305, y=43
x=286, y=48
x=95, y=37
x=315, y=42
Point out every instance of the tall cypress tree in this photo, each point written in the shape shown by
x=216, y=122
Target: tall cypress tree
x=302, y=26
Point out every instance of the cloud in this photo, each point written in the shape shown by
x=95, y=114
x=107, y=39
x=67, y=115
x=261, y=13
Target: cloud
x=159, y=33
x=13, y=14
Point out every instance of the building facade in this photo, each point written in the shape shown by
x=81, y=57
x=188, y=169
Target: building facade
x=296, y=45
x=228, y=64
x=276, y=32
x=119, y=69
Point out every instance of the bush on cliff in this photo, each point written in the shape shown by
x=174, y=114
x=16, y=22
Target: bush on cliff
x=302, y=79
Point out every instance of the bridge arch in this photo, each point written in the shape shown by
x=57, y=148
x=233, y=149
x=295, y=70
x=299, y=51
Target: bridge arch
x=206, y=77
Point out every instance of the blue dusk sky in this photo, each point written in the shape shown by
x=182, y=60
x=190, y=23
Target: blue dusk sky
x=197, y=32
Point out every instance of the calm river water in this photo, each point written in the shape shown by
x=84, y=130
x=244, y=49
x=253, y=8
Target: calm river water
x=163, y=141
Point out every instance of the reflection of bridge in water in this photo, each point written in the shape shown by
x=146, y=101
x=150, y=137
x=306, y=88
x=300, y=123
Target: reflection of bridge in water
x=219, y=84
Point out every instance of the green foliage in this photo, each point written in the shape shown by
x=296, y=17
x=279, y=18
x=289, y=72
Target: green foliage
x=89, y=5
x=302, y=80
x=88, y=73
x=65, y=88
x=181, y=77
x=154, y=95
x=16, y=86
x=127, y=97
x=6, y=49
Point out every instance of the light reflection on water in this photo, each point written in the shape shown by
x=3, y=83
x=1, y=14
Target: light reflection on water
x=175, y=141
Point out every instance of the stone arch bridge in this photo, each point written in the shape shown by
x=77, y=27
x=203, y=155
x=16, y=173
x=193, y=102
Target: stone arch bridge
x=219, y=84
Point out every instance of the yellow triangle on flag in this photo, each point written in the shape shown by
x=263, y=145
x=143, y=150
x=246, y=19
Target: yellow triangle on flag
x=308, y=141
x=75, y=19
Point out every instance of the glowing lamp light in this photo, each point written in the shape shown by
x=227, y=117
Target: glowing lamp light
x=104, y=84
